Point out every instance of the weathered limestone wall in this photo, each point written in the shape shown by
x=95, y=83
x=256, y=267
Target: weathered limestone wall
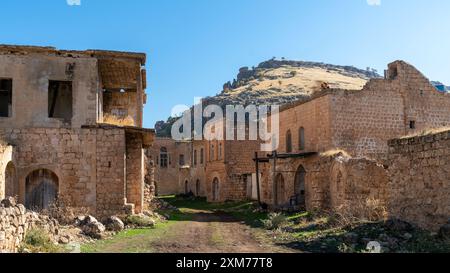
x=314, y=117
x=419, y=180
x=31, y=74
x=354, y=181
x=171, y=179
x=198, y=169
x=121, y=105
x=330, y=181
x=89, y=164
x=6, y=153
x=363, y=121
x=134, y=171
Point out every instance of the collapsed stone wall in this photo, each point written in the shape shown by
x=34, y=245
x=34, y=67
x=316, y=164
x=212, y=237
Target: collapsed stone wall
x=331, y=181
x=419, y=180
x=15, y=222
x=354, y=181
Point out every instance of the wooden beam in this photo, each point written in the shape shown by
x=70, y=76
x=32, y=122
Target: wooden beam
x=257, y=178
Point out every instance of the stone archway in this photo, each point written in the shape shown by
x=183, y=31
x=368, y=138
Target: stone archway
x=338, y=186
x=215, y=189
x=300, y=186
x=11, y=183
x=279, y=191
x=186, y=187
x=41, y=189
x=197, y=187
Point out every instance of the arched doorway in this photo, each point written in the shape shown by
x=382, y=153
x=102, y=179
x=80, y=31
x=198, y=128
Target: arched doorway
x=338, y=186
x=279, y=190
x=41, y=189
x=11, y=184
x=186, y=187
x=300, y=186
x=215, y=189
x=197, y=187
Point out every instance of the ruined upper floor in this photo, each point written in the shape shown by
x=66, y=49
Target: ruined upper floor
x=51, y=88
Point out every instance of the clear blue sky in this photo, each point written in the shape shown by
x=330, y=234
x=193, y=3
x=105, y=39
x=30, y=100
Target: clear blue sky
x=194, y=46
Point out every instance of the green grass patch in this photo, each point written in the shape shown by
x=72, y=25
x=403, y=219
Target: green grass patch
x=38, y=241
x=243, y=211
x=129, y=241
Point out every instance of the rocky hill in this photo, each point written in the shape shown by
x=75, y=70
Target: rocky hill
x=283, y=81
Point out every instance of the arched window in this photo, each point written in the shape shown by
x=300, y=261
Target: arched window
x=202, y=156
x=301, y=139
x=163, y=158
x=195, y=157
x=211, y=152
x=41, y=189
x=289, y=142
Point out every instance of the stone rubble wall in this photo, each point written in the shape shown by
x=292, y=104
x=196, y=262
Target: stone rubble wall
x=419, y=180
x=15, y=222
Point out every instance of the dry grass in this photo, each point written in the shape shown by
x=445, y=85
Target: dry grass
x=115, y=120
x=295, y=80
x=425, y=132
x=335, y=152
x=360, y=211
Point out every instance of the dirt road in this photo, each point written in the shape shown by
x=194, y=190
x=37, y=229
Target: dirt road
x=205, y=232
x=213, y=233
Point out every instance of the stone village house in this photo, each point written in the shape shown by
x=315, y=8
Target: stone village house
x=54, y=142
x=339, y=147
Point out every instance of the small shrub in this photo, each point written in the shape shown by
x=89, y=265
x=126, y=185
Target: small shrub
x=140, y=221
x=369, y=210
x=274, y=221
x=38, y=241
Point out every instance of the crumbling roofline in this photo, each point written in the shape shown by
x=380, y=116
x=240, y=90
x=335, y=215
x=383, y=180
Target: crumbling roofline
x=92, y=53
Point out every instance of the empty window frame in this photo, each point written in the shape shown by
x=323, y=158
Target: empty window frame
x=181, y=161
x=60, y=100
x=163, y=158
x=301, y=139
x=289, y=142
x=5, y=98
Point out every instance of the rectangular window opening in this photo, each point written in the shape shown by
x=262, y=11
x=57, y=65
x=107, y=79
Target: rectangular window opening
x=5, y=98
x=412, y=125
x=60, y=100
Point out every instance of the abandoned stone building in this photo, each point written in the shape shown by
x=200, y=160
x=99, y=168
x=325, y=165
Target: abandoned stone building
x=63, y=132
x=172, y=160
x=333, y=148
x=220, y=170
x=337, y=148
